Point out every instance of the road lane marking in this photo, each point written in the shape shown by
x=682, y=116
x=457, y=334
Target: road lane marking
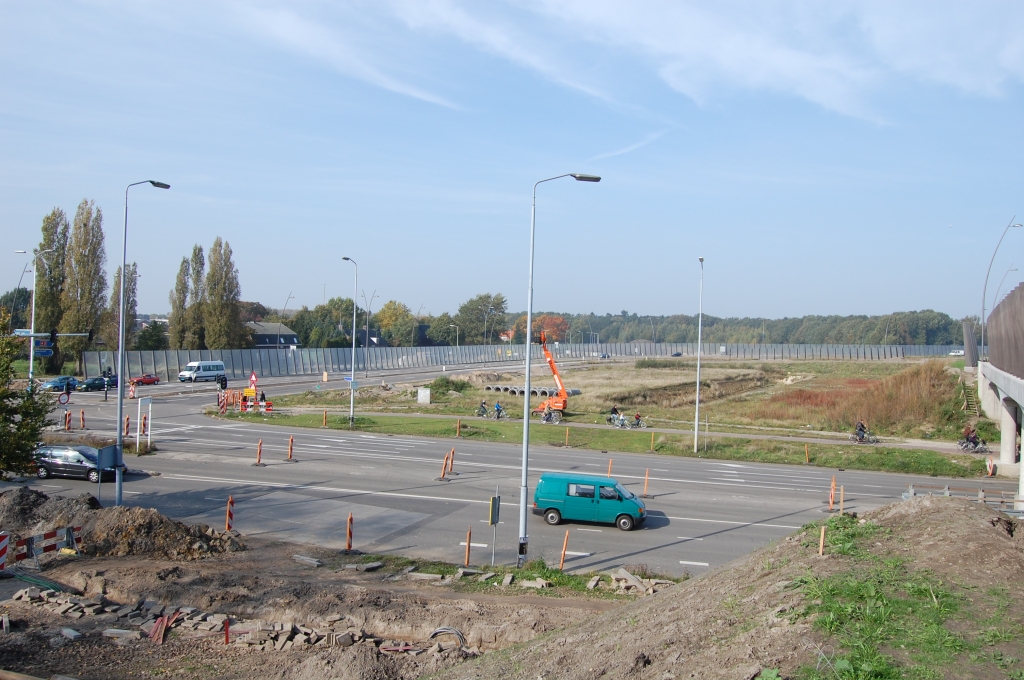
x=578, y=554
x=579, y=529
x=689, y=538
x=475, y=545
x=728, y=479
x=725, y=521
x=695, y=564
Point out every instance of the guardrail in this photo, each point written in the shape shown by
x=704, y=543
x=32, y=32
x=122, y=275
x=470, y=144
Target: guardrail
x=1005, y=501
x=240, y=363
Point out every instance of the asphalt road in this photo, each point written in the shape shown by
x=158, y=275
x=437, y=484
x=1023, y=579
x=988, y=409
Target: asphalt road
x=703, y=513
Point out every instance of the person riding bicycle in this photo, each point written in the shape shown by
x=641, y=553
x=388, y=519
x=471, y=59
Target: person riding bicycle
x=547, y=413
x=499, y=412
x=862, y=430
x=483, y=408
x=636, y=420
x=971, y=435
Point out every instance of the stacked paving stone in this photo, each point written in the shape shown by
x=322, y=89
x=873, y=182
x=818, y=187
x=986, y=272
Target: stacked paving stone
x=279, y=637
x=63, y=604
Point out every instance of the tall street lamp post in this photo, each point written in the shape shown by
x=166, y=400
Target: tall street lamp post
x=290, y=296
x=352, y=377
x=984, y=291
x=995, y=298
x=451, y=325
x=523, y=538
x=119, y=470
x=700, y=328
x=366, y=340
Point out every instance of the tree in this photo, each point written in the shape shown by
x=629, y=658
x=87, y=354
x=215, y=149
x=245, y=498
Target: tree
x=194, y=336
x=85, y=281
x=395, y=321
x=16, y=303
x=440, y=331
x=556, y=328
x=179, y=304
x=152, y=337
x=222, y=314
x=23, y=413
x=111, y=317
x=474, y=313
x=252, y=311
x=50, y=279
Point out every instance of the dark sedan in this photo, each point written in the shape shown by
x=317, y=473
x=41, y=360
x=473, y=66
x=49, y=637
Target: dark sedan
x=59, y=384
x=97, y=384
x=59, y=460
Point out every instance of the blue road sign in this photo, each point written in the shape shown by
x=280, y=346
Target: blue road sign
x=43, y=343
x=44, y=352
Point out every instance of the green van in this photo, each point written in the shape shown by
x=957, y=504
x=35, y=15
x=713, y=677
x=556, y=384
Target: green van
x=565, y=495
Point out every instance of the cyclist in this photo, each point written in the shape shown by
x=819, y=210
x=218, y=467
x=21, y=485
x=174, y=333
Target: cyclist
x=636, y=420
x=499, y=412
x=547, y=413
x=971, y=435
x=482, y=411
x=862, y=430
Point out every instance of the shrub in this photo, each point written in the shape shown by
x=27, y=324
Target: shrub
x=443, y=385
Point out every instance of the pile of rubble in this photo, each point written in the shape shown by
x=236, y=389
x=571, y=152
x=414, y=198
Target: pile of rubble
x=126, y=530
x=627, y=582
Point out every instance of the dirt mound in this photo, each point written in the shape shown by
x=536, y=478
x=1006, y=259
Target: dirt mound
x=115, y=531
x=481, y=378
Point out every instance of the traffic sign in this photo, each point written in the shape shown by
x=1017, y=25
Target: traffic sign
x=253, y=380
x=249, y=392
x=353, y=385
x=44, y=352
x=43, y=343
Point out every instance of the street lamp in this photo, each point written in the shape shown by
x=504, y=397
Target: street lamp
x=984, y=291
x=14, y=304
x=523, y=538
x=700, y=328
x=119, y=470
x=995, y=299
x=366, y=339
x=352, y=377
x=32, y=329
x=451, y=325
x=290, y=297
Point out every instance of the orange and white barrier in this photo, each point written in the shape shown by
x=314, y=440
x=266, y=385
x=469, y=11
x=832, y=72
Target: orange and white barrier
x=127, y=425
x=990, y=465
x=222, y=402
x=67, y=421
x=81, y=415
x=291, y=444
x=832, y=494
x=142, y=424
x=259, y=453
x=229, y=519
x=34, y=546
x=5, y=538
x=131, y=390
x=348, y=533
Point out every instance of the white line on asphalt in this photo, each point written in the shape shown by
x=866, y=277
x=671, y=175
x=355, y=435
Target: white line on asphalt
x=725, y=521
x=696, y=564
x=279, y=485
x=728, y=479
x=731, y=472
x=132, y=492
x=657, y=470
x=578, y=554
x=486, y=521
x=579, y=529
x=475, y=545
x=51, y=486
x=689, y=538
x=215, y=499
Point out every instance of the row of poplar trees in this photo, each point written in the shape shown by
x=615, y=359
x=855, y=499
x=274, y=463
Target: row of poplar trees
x=205, y=309
x=71, y=286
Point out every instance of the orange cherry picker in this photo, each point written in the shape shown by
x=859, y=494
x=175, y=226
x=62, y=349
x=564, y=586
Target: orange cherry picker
x=559, y=402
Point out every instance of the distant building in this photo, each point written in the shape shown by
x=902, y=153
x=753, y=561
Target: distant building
x=273, y=335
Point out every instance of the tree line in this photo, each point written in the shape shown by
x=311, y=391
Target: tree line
x=206, y=307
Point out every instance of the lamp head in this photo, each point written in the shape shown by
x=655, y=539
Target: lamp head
x=1016, y=225
x=20, y=251
x=159, y=185
x=580, y=177
x=701, y=260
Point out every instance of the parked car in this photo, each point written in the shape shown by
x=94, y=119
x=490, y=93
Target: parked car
x=58, y=384
x=605, y=355
x=956, y=353
x=69, y=461
x=677, y=354
x=588, y=498
x=146, y=379
x=97, y=384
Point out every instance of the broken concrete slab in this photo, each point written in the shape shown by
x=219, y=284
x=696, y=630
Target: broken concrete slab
x=370, y=566
x=485, y=577
x=70, y=633
x=313, y=562
x=425, y=577
x=508, y=579
x=122, y=634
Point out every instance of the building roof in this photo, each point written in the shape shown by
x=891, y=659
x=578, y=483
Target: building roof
x=267, y=334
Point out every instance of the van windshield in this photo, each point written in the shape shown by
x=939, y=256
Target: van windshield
x=193, y=366
x=624, y=491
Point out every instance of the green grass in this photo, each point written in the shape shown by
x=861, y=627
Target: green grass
x=889, y=621
x=764, y=451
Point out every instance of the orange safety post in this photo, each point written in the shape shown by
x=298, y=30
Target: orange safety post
x=807, y=454
x=469, y=537
x=227, y=631
x=325, y=418
x=81, y=416
x=609, y=467
x=842, y=497
x=67, y=420
x=652, y=441
x=565, y=544
x=458, y=428
x=348, y=533
x=259, y=452
x=821, y=543
x=229, y=519
x=444, y=467
x=127, y=425
x=832, y=494
x=143, y=424
x=451, y=460
x=567, y=435
x=647, y=474
x=291, y=443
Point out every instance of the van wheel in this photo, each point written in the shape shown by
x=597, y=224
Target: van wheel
x=42, y=473
x=624, y=522
x=552, y=517
x=94, y=476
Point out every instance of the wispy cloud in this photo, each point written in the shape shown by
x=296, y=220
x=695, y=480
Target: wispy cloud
x=331, y=47
x=654, y=136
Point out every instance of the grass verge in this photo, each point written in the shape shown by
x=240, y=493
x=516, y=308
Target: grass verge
x=763, y=451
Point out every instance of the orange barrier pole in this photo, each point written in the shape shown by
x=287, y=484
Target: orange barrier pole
x=652, y=441
x=67, y=420
x=807, y=454
x=566, y=436
x=127, y=425
x=565, y=544
x=229, y=519
x=451, y=460
x=832, y=494
x=444, y=466
x=348, y=533
x=646, y=475
x=143, y=424
x=609, y=467
x=821, y=543
x=227, y=631
x=81, y=415
x=291, y=442
x=469, y=537
x=842, y=497
x=259, y=451
x=325, y=418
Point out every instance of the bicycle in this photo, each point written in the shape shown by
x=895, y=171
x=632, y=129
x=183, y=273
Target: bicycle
x=498, y=415
x=971, y=447
x=867, y=439
x=482, y=412
x=552, y=418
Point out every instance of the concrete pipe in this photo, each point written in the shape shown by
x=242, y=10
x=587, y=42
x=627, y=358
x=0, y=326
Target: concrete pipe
x=488, y=388
x=573, y=392
x=507, y=388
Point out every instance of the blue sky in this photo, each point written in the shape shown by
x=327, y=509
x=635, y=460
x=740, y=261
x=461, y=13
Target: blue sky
x=824, y=158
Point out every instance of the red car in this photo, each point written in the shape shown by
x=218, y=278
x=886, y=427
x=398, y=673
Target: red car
x=146, y=379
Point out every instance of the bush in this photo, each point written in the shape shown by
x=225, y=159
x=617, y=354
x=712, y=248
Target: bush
x=664, y=363
x=443, y=385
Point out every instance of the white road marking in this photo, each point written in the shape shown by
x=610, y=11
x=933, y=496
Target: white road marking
x=695, y=564
x=132, y=492
x=475, y=545
x=215, y=499
x=578, y=554
x=579, y=529
x=689, y=538
x=728, y=479
x=724, y=521
x=657, y=470
x=485, y=521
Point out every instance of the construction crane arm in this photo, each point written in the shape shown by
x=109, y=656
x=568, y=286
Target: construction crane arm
x=554, y=369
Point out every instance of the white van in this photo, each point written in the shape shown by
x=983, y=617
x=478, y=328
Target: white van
x=197, y=371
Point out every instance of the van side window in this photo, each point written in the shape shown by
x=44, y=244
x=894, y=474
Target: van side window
x=609, y=493
x=581, y=490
